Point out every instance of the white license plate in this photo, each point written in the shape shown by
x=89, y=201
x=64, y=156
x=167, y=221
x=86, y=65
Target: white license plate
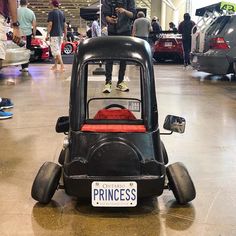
x=114, y=194
x=168, y=44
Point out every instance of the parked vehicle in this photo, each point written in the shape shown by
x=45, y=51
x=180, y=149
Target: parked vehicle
x=39, y=49
x=168, y=47
x=15, y=55
x=113, y=153
x=213, y=44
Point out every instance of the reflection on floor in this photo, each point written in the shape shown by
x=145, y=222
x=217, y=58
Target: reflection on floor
x=207, y=148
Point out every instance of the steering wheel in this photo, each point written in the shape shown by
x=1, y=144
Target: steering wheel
x=114, y=105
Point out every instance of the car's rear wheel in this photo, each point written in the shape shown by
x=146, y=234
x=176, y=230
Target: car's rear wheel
x=180, y=183
x=233, y=77
x=46, y=182
x=164, y=153
x=61, y=158
x=68, y=49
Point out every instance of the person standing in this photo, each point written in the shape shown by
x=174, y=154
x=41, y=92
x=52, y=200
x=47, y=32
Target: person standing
x=95, y=28
x=156, y=29
x=27, y=20
x=55, y=29
x=172, y=27
x=8, y=8
x=119, y=18
x=141, y=27
x=185, y=28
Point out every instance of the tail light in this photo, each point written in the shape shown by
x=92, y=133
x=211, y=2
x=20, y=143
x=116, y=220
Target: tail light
x=218, y=43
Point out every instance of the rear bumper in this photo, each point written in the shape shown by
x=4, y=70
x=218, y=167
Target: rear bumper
x=80, y=185
x=214, y=62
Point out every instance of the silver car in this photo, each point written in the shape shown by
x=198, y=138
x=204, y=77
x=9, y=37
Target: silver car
x=215, y=51
x=15, y=55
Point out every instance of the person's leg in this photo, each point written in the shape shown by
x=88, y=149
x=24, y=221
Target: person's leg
x=122, y=71
x=121, y=85
x=28, y=46
x=108, y=74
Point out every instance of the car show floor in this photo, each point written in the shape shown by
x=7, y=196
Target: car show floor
x=207, y=148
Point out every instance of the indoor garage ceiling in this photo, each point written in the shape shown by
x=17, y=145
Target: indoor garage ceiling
x=71, y=9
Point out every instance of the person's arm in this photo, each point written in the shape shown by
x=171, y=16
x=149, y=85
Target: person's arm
x=49, y=28
x=65, y=31
x=13, y=12
x=130, y=11
x=134, y=29
x=34, y=27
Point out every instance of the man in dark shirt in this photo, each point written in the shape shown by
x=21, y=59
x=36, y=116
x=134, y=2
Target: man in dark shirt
x=185, y=28
x=119, y=15
x=56, y=27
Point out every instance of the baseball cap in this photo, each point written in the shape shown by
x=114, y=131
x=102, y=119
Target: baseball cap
x=55, y=3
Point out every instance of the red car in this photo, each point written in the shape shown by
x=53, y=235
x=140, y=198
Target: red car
x=168, y=47
x=39, y=50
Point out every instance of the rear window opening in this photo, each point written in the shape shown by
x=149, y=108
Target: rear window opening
x=116, y=111
x=218, y=25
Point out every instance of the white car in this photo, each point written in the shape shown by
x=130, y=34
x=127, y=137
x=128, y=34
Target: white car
x=15, y=55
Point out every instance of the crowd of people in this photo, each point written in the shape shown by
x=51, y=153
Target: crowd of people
x=119, y=21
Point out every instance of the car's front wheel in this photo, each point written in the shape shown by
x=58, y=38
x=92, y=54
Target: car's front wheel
x=46, y=182
x=180, y=183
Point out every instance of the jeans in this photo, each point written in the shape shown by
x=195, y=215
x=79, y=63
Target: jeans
x=109, y=64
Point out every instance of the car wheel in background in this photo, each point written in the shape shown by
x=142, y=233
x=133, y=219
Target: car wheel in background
x=68, y=49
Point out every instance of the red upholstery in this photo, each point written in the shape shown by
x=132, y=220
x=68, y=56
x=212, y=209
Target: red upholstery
x=113, y=128
x=114, y=114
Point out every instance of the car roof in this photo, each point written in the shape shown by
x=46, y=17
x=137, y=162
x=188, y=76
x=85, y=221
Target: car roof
x=115, y=47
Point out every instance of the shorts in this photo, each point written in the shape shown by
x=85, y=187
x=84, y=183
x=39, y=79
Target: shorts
x=55, y=44
x=3, y=37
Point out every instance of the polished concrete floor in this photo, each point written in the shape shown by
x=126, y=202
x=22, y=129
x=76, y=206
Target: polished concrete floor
x=207, y=148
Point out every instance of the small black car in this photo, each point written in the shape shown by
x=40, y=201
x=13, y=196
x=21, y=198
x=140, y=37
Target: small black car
x=112, y=152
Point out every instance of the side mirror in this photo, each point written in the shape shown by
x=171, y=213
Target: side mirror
x=174, y=124
x=62, y=125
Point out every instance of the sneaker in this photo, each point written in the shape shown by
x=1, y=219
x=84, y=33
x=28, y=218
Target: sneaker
x=107, y=88
x=24, y=70
x=122, y=87
x=6, y=103
x=5, y=115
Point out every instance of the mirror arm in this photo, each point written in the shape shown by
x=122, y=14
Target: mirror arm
x=167, y=133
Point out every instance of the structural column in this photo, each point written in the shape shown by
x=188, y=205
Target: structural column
x=156, y=8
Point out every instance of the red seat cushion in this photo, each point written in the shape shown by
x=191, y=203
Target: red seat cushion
x=114, y=114
x=113, y=128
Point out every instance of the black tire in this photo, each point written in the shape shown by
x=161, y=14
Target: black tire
x=180, y=183
x=46, y=182
x=61, y=158
x=164, y=153
x=68, y=49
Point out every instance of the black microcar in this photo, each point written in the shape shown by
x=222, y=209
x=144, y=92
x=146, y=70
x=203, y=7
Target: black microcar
x=112, y=152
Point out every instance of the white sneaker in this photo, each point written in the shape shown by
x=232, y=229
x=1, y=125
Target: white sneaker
x=122, y=87
x=24, y=70
x=107, y=88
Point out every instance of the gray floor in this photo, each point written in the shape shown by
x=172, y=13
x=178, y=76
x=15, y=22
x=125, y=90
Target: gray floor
x=207, y=148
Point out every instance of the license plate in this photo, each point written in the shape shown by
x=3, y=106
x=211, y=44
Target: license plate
x=168, y=44
x=114, y=194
